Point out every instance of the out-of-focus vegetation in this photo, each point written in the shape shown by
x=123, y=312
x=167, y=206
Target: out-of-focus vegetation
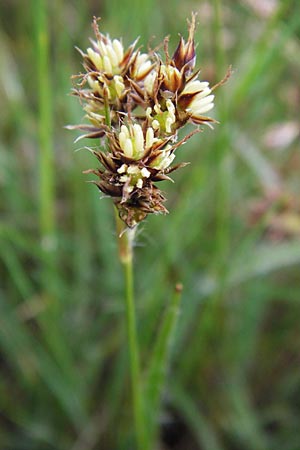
x=231, y=238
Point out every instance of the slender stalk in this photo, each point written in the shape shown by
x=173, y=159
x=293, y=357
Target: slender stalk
x=125, y=240
x=49, y=320
x=134, y=357
x=47, y=221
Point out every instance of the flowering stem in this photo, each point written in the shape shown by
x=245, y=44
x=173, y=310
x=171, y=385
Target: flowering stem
x=136, y=387
x=125, y=241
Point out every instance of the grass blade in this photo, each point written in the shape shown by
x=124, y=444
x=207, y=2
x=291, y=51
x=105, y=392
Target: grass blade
x=160, y=360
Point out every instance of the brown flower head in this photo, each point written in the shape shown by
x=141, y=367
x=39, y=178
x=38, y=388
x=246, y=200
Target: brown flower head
x=105, y=87
x=135, y=161
x=137, y=102
x=185, y=56
x=172, y=93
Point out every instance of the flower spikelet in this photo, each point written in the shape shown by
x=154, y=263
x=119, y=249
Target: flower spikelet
x=135, y=103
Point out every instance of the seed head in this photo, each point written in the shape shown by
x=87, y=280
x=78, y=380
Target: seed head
x=137, y=102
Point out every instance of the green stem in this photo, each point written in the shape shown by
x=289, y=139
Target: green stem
x=134, y=358
x=47, y=220
x=126, y=238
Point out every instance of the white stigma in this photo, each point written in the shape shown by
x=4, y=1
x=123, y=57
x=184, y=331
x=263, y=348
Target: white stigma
x=138, y=140
x=149, y=137
x=118, y=48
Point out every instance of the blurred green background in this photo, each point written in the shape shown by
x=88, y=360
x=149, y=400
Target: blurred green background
x=231, y=238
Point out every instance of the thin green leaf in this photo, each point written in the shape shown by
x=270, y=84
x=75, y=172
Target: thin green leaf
x=160, y=359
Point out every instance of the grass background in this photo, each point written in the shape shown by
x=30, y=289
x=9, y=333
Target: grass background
x=234, y=379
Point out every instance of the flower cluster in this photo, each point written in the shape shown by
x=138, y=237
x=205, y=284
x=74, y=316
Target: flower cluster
x=138, y=102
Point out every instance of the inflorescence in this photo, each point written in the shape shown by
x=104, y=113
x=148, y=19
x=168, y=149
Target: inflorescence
x=137, y=102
